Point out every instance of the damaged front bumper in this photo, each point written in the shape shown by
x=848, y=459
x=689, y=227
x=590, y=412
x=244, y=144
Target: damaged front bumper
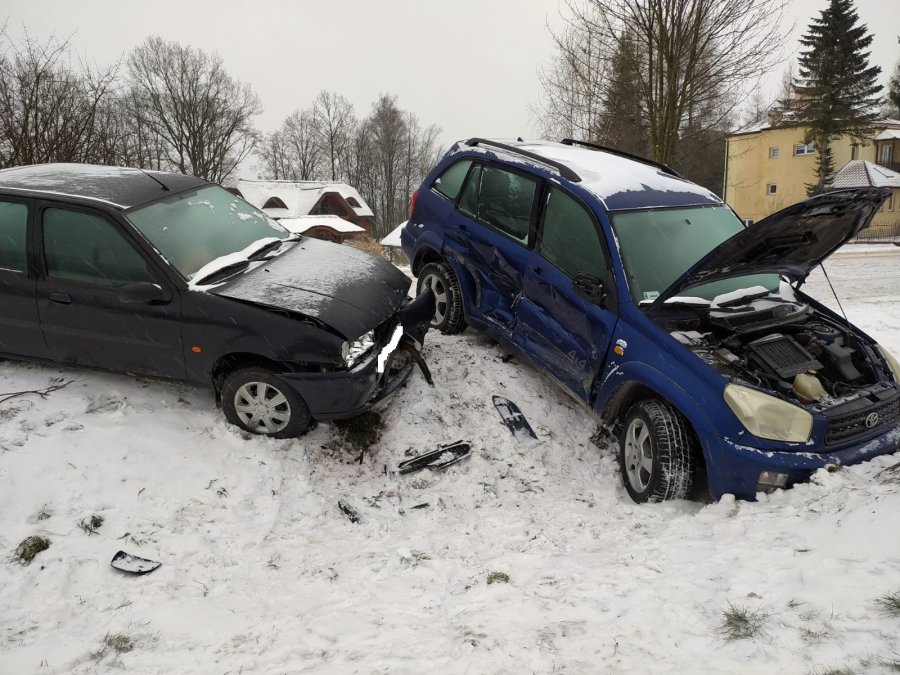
x=337, y=395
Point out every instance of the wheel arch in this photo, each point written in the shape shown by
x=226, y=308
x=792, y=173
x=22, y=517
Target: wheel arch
x=228, y=363
x=427, y=254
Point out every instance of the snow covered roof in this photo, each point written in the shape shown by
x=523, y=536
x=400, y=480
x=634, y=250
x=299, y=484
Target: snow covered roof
x=888, y=134
x=887, y=124
x=302, y=224
x=862, y=173
x=393, y=239
x=299, y=196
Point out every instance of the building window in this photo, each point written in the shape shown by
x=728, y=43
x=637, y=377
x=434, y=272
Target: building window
x=804, y=148
x=886, y=151
x=274, y=203
x=771, y=189
x=773, y=153
x=854, y=151
x=352, y=202
x=890, y=202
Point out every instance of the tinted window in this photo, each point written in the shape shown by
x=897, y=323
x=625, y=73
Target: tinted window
x=569, y=239
x=13, y=226
x=85, y=247
x=501, y=200
x=449, y=182
x=468, y=203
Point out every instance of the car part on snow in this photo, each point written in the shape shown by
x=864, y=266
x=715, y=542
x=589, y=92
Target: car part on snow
x=444, y=456
x=349, y=511
x=133, y=564
x=440, y=278
x=256, y=400
x=656, y=452
x=513, y=418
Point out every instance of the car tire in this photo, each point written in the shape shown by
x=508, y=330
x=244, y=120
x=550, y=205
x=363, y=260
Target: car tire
x=448, y=312
x=258, y=401
x=657, y=452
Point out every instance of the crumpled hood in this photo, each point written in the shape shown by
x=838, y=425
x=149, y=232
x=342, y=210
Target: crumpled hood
x=347, y=289
x=791, y=242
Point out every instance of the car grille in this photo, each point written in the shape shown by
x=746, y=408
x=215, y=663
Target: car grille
x=844, y=427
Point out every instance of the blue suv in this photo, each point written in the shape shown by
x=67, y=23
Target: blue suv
x=646, y=297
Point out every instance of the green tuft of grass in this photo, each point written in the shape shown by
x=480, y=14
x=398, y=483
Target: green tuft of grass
x=890, y=603
x=498, y=578
x=362, y=431
x=91, y=525
x=741, y=623
x=29, y=548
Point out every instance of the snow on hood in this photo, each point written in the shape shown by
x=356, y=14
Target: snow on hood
x=349, y=290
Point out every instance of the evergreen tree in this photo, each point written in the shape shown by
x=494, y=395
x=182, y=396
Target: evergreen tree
x=837, y=91
x=894, y=91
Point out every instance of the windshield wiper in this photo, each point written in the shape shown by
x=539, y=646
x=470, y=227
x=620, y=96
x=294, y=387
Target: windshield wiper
x=222, y=273
x=263, y=251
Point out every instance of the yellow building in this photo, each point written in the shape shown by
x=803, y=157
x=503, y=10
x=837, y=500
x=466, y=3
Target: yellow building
x=768, y=167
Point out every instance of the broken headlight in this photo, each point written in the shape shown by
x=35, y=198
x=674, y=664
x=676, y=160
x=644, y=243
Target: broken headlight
x=891, y=361
x=355, y=350
x=768, y=417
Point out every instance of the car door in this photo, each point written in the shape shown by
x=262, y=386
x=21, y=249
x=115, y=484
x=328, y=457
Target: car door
x=93, y=299
x=564, y=319
x=491, y=231
x=20, y=330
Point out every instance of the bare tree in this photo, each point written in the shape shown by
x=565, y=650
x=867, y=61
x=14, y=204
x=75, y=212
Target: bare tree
x=186, y=98
x=49, y=108
x=689, y=56
x=335, y=122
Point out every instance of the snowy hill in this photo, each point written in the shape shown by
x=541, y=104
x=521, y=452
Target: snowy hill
x=262, y=572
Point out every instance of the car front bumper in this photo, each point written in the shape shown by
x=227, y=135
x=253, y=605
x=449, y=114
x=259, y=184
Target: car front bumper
x=336, y=395
x=740, y=466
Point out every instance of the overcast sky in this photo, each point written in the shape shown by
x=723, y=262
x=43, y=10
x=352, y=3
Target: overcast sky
x=469, y=66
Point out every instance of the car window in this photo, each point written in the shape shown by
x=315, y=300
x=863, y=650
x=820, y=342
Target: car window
x=193, y=228
x=449, y=182
x=500, y=200
x=85, y=247
x=13, y=228
x=569, y=237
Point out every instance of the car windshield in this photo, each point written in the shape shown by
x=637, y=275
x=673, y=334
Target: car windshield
x=660, y=245
x=192, y=229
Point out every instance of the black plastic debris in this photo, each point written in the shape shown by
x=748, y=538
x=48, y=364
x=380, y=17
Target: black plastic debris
x=441, y=458
x=349, y=511
x=513, y=418
x=133, y=564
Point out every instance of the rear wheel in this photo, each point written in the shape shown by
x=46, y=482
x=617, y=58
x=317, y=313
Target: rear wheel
x=448, y=310
x=656, y=452
x=258, y=401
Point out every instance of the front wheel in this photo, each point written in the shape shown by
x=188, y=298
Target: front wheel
x=258, y=401
x=448, y=309
x=656, y=452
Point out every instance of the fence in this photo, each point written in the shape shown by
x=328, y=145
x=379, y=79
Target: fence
x=879, y=234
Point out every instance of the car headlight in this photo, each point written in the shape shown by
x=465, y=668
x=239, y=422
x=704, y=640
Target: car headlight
x=893, y=364
x=353, y=351
x=768, y=417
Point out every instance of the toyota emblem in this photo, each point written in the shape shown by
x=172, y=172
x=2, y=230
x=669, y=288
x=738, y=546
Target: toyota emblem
x=871, y=420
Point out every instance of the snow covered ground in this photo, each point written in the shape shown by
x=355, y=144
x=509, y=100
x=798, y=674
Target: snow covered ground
x=262, y=573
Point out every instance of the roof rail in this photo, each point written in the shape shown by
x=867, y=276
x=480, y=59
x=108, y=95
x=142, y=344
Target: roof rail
x=621, y=153
x=564, y=171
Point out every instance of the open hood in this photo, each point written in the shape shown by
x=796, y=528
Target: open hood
x=351, y=291
x=791, y=242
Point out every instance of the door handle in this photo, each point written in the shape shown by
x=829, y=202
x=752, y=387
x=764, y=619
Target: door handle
x=463, y=228
x=538, y=271
x=61, y=298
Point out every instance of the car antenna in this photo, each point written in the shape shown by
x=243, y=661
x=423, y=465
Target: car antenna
x=164, y=186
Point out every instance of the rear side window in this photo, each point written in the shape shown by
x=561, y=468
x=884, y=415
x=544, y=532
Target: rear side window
x=450, y=182
x=13, y=228
x=569, y=238
x=500, y=200
x=84, y=247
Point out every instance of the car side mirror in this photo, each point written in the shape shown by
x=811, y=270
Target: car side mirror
x=589, y=287
x=141, y=292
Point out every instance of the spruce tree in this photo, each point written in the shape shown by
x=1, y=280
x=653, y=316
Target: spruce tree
x=894, y=91
x=837, y=91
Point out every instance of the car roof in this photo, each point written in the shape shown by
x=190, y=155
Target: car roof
x=619, y=182
x=114, y=185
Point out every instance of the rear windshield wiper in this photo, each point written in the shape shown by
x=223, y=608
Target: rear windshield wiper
x=222, y=273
